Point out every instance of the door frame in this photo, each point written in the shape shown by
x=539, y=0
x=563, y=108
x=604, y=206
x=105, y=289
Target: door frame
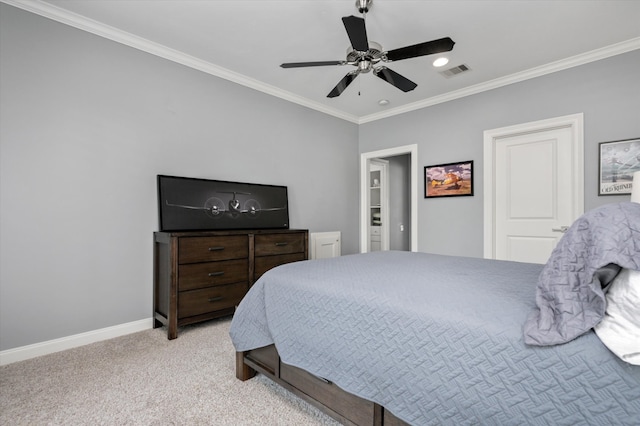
x=573, y=121
x=365, y=158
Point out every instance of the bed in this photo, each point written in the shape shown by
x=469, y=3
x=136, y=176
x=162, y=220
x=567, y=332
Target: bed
x=416, y=338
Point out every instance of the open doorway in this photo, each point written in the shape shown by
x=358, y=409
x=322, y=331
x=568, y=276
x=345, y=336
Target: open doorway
x=402, y=196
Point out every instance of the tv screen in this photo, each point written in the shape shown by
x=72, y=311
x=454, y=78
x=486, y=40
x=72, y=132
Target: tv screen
x=191, y=204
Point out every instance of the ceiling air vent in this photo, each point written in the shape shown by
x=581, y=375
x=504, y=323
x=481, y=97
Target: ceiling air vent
x=455, y=70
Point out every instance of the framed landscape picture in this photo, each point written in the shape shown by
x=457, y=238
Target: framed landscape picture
x=618, y=161
x=448, y=180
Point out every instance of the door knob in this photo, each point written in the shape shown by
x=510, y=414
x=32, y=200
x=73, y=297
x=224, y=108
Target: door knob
x=562, y=229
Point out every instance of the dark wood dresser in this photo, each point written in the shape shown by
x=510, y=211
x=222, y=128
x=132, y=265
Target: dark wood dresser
x=203, y=275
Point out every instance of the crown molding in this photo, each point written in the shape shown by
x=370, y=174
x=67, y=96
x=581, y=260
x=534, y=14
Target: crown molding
x=573, y=61
x=55, y=13
x=66, y=17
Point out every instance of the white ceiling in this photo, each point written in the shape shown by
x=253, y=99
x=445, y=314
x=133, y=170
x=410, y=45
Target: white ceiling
x=246, y=40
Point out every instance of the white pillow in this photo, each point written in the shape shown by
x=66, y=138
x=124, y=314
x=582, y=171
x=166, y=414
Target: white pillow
x=619, y=330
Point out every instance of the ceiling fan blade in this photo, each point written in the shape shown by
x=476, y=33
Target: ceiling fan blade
x=357, y=32
x=311, y=64
x=395, y=79
x=346, y=81
x=421, y=49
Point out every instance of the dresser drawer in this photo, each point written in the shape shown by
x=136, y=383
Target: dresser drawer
x=267, y=245
x=198, y=275
x=263, y=264
x=356, y=409
x=207, y=249
x=196, y=302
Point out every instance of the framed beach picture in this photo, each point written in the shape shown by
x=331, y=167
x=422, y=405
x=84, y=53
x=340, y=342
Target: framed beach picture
x=618, y=161
x=448, y=180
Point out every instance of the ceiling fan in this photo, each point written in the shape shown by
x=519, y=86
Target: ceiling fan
x=365, y=54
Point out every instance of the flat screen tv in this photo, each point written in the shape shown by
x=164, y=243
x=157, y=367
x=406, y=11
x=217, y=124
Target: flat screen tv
x=191, y=204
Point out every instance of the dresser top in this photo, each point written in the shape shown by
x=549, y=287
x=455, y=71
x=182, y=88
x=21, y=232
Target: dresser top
x=226, y=232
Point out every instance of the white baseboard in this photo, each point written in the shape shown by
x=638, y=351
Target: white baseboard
x=38, y=349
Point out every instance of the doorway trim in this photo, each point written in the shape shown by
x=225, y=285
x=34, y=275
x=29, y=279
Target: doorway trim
x=365, y=157
x=573, y=121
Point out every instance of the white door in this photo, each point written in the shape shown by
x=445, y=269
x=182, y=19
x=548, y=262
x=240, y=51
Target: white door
x=537, y=190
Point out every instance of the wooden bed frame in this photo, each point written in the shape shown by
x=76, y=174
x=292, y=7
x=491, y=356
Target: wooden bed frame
x=329, y=398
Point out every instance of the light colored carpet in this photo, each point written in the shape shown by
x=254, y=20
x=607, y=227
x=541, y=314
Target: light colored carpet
x=145, y=379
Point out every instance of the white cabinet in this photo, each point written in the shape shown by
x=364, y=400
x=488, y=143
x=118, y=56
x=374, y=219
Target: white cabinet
x=378, y=200
x=325, y=244
x=374, y=238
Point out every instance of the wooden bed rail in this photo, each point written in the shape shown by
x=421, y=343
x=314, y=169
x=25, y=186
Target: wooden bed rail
x=321, y=393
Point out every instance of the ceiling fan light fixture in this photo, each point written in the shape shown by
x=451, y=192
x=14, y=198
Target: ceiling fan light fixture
x=364, y=66
x=363, y=6
x=440, y=62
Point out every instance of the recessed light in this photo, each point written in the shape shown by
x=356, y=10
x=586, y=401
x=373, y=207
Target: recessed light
x=383, y=102
x=440, y=62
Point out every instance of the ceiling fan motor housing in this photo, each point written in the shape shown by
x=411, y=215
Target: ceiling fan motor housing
x=374, y=54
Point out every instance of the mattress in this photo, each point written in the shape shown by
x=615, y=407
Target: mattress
x=435, y=340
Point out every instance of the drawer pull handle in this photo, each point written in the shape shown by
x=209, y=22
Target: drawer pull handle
x=215, y=299
x=322, y=379
x=218, y=248
x=281, y=244
x=216, y=274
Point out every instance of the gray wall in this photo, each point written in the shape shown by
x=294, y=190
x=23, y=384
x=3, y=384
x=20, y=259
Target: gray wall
x=87, y=124
x=606, y=91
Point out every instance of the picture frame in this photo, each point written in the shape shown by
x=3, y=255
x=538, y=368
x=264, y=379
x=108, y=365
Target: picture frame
x=449, y=180
x=194, y=204
x=617, y=162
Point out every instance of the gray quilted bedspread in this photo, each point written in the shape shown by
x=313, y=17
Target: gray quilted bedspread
x=437, y=340
x=569, y=296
